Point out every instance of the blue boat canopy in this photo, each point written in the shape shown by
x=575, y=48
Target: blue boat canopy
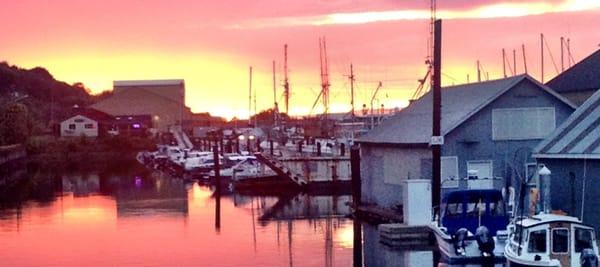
x=472, y=208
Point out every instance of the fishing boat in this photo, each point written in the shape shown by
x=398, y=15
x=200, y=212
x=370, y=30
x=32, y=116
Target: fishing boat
x=472, y=227
x=551, y=240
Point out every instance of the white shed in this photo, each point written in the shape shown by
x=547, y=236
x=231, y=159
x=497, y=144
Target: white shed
x=79, y=125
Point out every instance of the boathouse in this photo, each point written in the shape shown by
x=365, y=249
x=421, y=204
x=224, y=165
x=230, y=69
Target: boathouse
x=580, y=81
x=488, y=127
x=85, y=122
x=572, y=153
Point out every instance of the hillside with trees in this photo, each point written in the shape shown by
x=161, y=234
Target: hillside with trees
x=31, y=101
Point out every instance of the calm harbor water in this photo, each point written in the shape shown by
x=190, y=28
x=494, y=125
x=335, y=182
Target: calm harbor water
x=136, y=218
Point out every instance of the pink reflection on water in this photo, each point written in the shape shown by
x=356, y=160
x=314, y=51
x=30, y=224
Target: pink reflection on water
x=97, y=230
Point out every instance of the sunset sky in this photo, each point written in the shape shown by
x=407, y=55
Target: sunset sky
x=211, y=44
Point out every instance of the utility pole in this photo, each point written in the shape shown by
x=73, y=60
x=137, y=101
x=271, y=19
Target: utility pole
x=436, y=138
x=352, y=90
x=286, y=84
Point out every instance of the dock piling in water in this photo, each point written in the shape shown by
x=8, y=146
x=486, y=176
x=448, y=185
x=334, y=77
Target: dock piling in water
x=318, y=149
x=217, y=167
x=355, y=172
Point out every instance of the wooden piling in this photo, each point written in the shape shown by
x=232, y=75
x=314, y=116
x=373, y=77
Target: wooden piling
x=217, y=168
x=357, y=244
x=318, y=149
x=355, y=170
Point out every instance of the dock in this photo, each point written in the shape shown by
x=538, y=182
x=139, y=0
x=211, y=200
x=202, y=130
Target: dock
x=401, y=236
x=378, y=215
x=302, y=174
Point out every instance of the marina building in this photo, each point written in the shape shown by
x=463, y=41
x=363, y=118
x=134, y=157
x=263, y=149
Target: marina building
x=580, y=81
x=489, y=131
x=162, y=100
x=572, y=153
x=85, y=122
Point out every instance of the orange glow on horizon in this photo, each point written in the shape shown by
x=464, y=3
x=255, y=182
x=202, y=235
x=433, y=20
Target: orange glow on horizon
x=385, y=42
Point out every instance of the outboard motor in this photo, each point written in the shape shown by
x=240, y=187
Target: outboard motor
x=460, y=239
x=485, y=241
x=588, y=258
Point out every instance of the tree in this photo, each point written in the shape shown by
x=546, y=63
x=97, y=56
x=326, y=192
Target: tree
x=14, y=124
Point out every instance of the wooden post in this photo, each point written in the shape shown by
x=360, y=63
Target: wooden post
x=217, y=168
x=437, y=116
x=300, y=146
x=355, y=172
x=357, y=260
x=271, y=147
x=237, y=146
x=318, y=149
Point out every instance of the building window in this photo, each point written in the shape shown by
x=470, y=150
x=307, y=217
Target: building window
x=449, y=172
x=483, y=169
x=522, y=123
x=79, y=120
x=584, y=238
x=89, y=126
x=531, y=173
x=72, y=126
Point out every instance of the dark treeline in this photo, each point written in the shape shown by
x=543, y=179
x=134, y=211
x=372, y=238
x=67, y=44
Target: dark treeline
x=31, y=100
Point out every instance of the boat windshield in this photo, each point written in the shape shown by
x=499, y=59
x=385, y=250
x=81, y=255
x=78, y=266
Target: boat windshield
x=584, y=238
x=497, y=208
x=560, y=240
x=537, y=242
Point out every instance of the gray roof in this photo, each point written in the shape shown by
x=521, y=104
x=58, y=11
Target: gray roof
x=148, y=82
x=584, y=75
x=413, y=125
x=578, y=136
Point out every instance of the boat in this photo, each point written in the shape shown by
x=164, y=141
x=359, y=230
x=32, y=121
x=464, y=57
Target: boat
x=246, y=168
x=551, y=240
x=472, y=227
